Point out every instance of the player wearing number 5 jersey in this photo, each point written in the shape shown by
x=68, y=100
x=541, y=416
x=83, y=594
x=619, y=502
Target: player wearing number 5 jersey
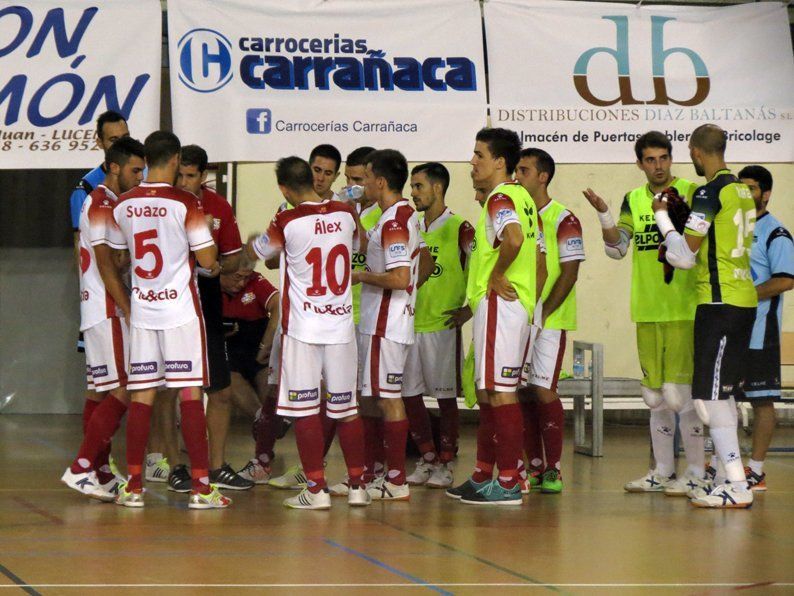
x=716, y=243
x=165, y=231
x=316, y=240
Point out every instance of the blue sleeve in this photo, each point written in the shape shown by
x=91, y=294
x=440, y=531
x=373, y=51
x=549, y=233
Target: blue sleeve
x=76, y=201
x=780, y=252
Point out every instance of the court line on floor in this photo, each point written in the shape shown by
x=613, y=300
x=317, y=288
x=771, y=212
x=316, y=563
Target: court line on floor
x=746, y=585
x=479, y=559
x=21, y=584
x=38, y=510
x=411, y=578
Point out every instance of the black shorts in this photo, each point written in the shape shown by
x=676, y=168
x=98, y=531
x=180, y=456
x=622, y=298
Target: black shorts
x=722, y=341
x=243, y=347
x=212, y=309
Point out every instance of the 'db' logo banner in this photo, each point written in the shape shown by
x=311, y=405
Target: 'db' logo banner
x=258, y=80
x=583, y=80
x=62, y=63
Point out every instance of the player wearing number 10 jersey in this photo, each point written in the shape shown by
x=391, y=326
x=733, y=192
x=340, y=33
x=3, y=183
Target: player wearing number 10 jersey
x=162, y=225
x=716, y=243
x=315, y=241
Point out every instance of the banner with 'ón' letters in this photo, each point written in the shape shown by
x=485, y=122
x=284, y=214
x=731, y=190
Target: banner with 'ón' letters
x=583, y=80
x=64, y=62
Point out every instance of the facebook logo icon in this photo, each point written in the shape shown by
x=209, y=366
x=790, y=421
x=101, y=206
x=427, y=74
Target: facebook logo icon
x=257, y=121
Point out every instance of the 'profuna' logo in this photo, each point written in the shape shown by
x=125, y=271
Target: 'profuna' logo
x=659, y=55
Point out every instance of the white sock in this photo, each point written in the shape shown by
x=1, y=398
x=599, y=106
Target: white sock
x=756, y=466
x=726, y=443
x=692, y=437
x=662, y=432
x=719, y=477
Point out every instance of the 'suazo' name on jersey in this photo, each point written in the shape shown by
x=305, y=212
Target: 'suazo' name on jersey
x=146, y=211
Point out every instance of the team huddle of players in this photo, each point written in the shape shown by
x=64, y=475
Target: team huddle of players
x=373, y=294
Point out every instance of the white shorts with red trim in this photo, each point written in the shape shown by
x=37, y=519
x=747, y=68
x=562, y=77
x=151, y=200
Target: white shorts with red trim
x=544, y=359
x=433, y=364
x=382, y=367
x=174, y=357
x=303, y=368
x=501, y=332
x=274, y=369
x=107, y=353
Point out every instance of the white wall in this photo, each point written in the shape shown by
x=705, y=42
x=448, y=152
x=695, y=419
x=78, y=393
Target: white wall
x=603, y=287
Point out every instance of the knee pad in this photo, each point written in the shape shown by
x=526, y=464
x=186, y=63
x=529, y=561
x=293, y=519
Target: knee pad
x=678, y=397
x=719, y=413
x=652, y=397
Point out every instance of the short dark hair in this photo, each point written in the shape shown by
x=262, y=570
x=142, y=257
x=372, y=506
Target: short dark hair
x=124, y=148
x=391, y=165
x=655, y=139
x=435, y=172
x=543, y=161
x=709, y=138
x=328, y=152
x=193, y=155
x=106, y=118
x=358, y=157
x=760, y=174
x=502, y=143
x=161, y=146
x=294, y=173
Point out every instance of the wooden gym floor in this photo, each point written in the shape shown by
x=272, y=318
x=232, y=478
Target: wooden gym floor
x=592, y=539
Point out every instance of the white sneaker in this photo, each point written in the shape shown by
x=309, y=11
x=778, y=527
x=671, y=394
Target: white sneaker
x=292, y=479
x=442, y=476
x=682, y=486
x=309, y=500
x=212, y=500
x=107, y=492
x=358, y=497
x=725, y=496
x=650, y=483
x=340, y=489
x=424, y=470
x=383, y=490
x=84, y=482
x=129, y=499
x=255, y=472
x=157, y=468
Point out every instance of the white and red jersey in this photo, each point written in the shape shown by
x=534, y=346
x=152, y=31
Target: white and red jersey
x=316, y=242
x=224, y=231
x=393, y=242
x=96, y=216
x=161, y=225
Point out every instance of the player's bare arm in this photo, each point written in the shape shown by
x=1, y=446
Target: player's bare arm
x=266, y=345
x=111, y=277
x=541, y=271
x=230, y=263
x=426, y=266
x=512, y=239
x=208, y=258
x=398, y=278
x=774, y=287
x=610, y=234
x=569, y=273
x=458, y=316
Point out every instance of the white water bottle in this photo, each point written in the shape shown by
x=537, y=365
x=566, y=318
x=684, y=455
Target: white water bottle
x=351, y=193
x=578, y=365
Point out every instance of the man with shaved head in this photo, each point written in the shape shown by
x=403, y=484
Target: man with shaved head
x=716, y=242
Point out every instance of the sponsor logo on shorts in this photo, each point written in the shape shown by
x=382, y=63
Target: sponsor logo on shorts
x=340, y=398
x=727, y=388
x=511, y=372
x=527, y=368
x=328, y=309
x=303, y=394
x=142, y=368
x=398, y=250
x=178, y=366
x=99, y=371
x=394, y=379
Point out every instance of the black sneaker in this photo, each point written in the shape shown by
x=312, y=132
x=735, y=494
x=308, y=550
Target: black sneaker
x=179, y=480
x=466, y=490
x=225, y=477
